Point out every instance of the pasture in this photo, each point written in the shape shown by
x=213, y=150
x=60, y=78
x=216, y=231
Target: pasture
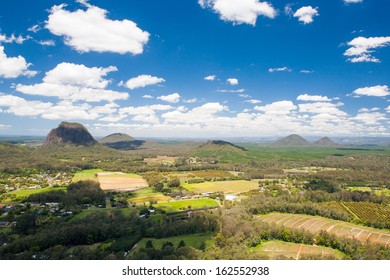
x=146, y=195
x=184, y=205
x=316, y=224
x=89, y=174
x=19, y=195
x=212, y=174
x=197, y=241
x=230, y=187
x=276, y=249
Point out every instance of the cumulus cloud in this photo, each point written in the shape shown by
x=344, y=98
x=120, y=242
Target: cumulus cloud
x=171, y=98
x=147, y=96
x=370, y=118
x=361, y=48
x=210, y=78
x=232, y=81
x=378, y=91
x=280, y=69
x=91, y=30
x=70, y=81
x=239, y=12
x=143, y=81
x=277, y=108
x=307, y=97
x=192, y=100
x=13, y=67
x=306, y=14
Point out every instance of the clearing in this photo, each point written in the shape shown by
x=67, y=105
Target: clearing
x=148, y=194
x=185, y=205
x=276, y=249
x=231, y=187
x=118, y=181
x=316, y=224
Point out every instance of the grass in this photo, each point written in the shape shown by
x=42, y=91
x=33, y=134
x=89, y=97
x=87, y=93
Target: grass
x=183, y=205
x=119, y=175
x=193, y=240
x=384, y=192
x=276, y=249
x=88, y=174
x=231, y=187
x=84, y=214
x=315, y=224
x=148, y=194
x=19, y=195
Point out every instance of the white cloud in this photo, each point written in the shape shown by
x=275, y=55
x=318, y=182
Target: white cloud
x=280, y=69
x=192, y=100
x=143, y=81
x=253, y=101
x=13, y=67
x=171, y=98
x=232, y=81
x=147, y=96
x=232, y=90
x=306, y=71
x=288, y=10
x=243, y=95
x=371, y=118
x=239, y=12
x=352, y=1
x=378, y=91
x=277, y=108
x=361, y=48
x=35, y=28
x=366, y=110
x=9, y=40
x=91, y=30
x=4, y=126
x=210, y=78
x=307, y=97
x=388, y=109
x=306, y=14
x=322, y=108
x=49, y=43
x=70, y=81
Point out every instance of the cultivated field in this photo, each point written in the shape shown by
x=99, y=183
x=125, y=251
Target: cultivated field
x=161, y=160
x=148, y=194
x=316, y=224
x=118, y=181
x=183, y=205
x=19, y=195
x=286, y=250
x=231, y=187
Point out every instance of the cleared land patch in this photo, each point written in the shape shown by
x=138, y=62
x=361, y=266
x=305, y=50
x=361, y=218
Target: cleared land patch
x=118, y=181
x=161, y=160
x=212, y=174
x=148, y=194
x=90, y=174
x=184, y=205
x=276, y=249
x=194, y=240
x=316, y=224
x=231, y=187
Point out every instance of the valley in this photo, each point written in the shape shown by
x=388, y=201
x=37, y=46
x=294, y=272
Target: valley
x=121, y=198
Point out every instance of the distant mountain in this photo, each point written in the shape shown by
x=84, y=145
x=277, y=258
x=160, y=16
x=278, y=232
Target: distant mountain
x=325, y=142
x=219, y=145
x=293, y=140
x=69, y=133
x=125, y=145
x=116, y=137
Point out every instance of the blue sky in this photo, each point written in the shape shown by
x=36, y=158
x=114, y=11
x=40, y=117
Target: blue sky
x=196, y=68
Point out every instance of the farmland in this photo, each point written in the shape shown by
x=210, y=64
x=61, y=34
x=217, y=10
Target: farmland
x=285, y=250
x=90, y=174
x=146, y=195
x=118, y=181
x=194, y=240
x=231, y=187
x=212, y=174
x=316, y=224
x=183, y=205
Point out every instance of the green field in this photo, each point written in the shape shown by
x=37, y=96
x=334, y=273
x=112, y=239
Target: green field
x=276, y=249
x=315, y=224
x=146, y=195
x=384, y=192
x=183, y=205
x=89, y=174
x=19, y=195
x=193, y=240
x=231, y=187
